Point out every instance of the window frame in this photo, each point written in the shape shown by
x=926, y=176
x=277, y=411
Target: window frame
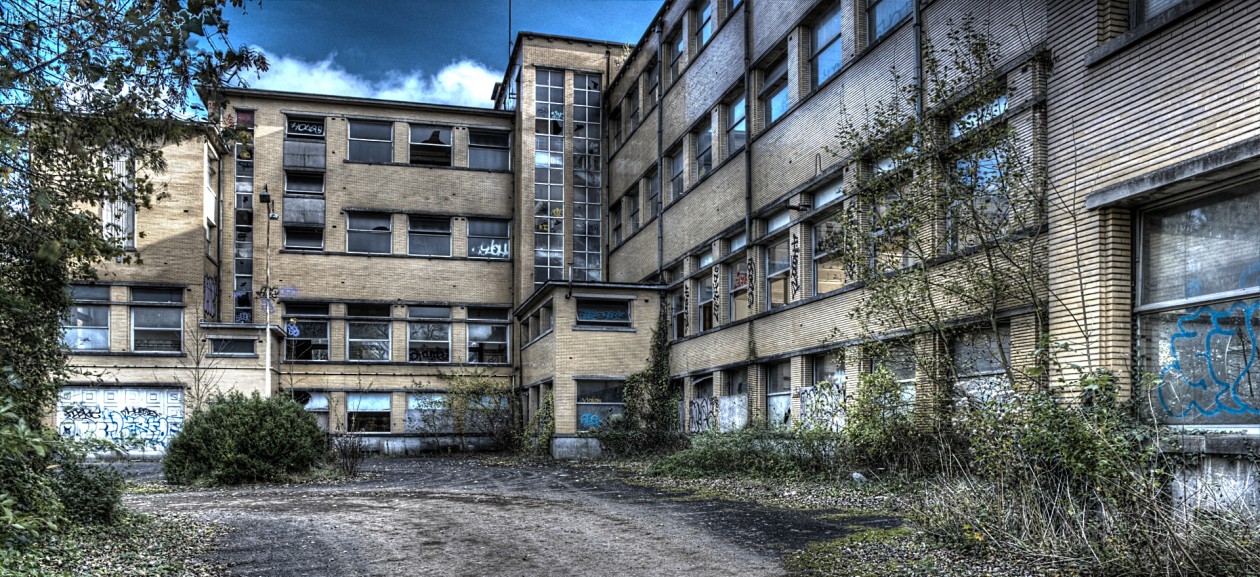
x=350, y=140
x=677, y=174
x=705, y=26
x=627, y=322
x=95, y=305
x=302, y=313
x=363, y=318
x=505, y=149
x=774, y=275
x=874, y=34
x=388, y=233
x=704, y=306
x=592, y=420
x=251, y=353
x=419, y=358
x=135, y=326
x=835, y=16
x=703, y=136
x=774, y=85
x=352, y=409
x=506, y=342
x=496, y=254
x=676, y=45
x=734, y=126
x=415, y=231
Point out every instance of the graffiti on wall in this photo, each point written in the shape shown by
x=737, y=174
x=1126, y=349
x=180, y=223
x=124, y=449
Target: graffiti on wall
x=795, y=266
x=701, y=414
x=717, y=302
x=139, y=419
x=752, y=287
x=823, y=406
x=1206, y=371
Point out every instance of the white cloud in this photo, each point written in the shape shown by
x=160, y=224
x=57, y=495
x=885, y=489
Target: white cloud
x=464, y=83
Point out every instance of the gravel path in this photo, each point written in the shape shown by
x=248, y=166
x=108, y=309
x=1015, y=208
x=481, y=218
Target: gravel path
x=458, y=516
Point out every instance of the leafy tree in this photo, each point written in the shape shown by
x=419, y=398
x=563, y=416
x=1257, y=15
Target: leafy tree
x=89, y=93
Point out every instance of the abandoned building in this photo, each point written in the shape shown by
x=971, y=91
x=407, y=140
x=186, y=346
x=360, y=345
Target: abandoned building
x=375, y=248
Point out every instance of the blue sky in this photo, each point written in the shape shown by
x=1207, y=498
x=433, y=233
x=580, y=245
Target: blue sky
x=445, y=51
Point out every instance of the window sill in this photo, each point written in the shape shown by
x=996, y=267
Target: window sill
x=126, y=354
x=1142, y=31
x=605, y=329
x=230, y=356
x=409, y=165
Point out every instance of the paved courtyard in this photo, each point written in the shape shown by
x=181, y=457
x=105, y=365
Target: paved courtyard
x=460, y=516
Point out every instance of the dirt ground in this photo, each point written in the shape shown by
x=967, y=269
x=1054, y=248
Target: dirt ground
x=461, y=516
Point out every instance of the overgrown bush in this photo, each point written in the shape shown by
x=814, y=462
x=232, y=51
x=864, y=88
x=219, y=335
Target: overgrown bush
x=1081, y=488
x=619, y=438
x=28, y=504
x=536, y=438
x=753, y=452
x=880, y=432
x=90, y=494
x=650, y=423
x=241, y=439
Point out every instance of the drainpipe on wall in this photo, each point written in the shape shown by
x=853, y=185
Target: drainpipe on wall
x=918, y=61
x=660, y=154
x=603, y=163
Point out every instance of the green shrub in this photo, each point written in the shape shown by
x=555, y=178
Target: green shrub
x=748, y=452
x=90, y=494
x=28, y=505
x=241, y=439
x=880, y=431
x=620, y=438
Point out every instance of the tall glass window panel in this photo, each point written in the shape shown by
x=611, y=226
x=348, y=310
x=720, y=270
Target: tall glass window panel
x=704, y=151
x=884, y=15
x=654, y=193
x=368, y=232
x=431, y=145
x=677, y=46
x=633, y=209
x=428, y=236
x=704, y=303
x=778, y=266
x=489, y=150
x=488, y=239
x=900, y=360
x=704, y=22
x=653, y=84
x=587, y=179
x=429, y=342
x=778, y=394
x=736, y=132
x=827, y=54
x=739, y=306
x=774, y=92
x=86, y=328
x=678, y=314
x=156, y=329
x=676, y=184
x=371, y=142
x=829, y=271
x=549, y=176
x=598, y=401
x=487, y=344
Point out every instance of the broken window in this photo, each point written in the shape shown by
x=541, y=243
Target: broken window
x=979, y=359
x=306, y=332
x=487, y=344
x=431, y=145
x=778, y=394
x=368, y=232
x=429, y=342
x=737, y=381
x=740, y=307
x=303, y=183
x=303, y=238
x=316, y=404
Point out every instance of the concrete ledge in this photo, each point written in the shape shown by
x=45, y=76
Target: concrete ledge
x=1231, y=161
x=576, y=448
x=1224, y=445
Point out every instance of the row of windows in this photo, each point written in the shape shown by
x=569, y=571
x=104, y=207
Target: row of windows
x=977, y=359
x=428, y=144
x=423, y=412
x=372, y=233
x=369, y=333
x=156, y=327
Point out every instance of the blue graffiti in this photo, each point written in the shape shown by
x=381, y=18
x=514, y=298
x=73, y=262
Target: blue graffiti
x=132, y=427
x=590, y=420
x=292, y=329
x=1212, y=352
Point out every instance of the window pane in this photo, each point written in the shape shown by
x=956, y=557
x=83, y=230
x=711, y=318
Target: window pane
x=779, y=378
x=375, y=331
x=429, y=312
x=436, y=135
x=488, y=159
x=89, y=293
x=157, y=295
x=232, y=346
x=495, y=228
x=429, y=245
x=367, y=310
x=599, y=391
x=370, y=151
x=1201, y=248
x=146, y=340
x=603, y=312
x=154, y=318
x=85, y=339
x=369, y=221
x=371, y=130
x=368, y=242
x=887, y=13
